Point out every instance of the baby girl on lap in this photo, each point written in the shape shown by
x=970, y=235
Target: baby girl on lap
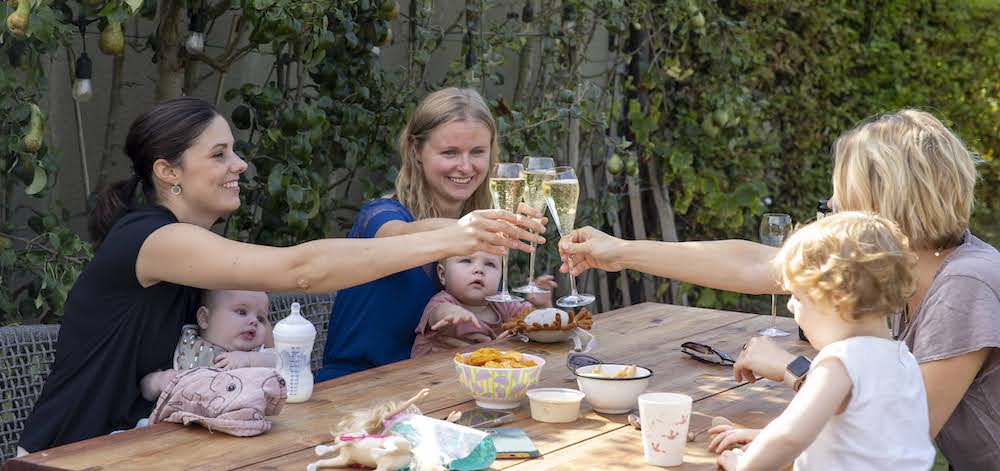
x=460, y=315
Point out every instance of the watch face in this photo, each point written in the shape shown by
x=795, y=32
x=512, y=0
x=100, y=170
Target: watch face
x=799, y=366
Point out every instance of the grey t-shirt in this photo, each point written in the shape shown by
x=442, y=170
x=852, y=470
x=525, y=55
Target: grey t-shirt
x=961, y=314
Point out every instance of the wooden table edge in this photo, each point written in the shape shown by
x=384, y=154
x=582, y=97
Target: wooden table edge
x=737, y=317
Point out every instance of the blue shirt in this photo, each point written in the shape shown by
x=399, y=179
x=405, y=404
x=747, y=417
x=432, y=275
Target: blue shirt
x=373, y=324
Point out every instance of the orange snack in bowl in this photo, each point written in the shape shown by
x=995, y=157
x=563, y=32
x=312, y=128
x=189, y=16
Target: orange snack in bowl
x=492, y=358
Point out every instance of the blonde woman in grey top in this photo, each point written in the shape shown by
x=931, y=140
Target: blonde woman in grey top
x=911, y=168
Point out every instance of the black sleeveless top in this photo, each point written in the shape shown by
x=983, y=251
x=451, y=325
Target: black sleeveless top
x=113, y=333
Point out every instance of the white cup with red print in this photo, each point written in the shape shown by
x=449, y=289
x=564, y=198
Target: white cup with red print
x=665, y=418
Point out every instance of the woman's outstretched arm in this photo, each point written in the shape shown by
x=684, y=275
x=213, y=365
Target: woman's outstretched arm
x=731, y=265
x=189, y=255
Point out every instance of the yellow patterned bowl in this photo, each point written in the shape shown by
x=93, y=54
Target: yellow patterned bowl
x=499, y=388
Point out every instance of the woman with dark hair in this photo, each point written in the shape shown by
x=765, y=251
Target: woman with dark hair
x=124, y=313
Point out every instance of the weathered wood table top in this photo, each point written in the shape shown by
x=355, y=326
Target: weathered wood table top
x=647, y=334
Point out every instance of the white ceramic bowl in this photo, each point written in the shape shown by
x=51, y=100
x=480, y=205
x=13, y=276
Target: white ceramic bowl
x=555, y=405
x=612, y=395
x=499, y=388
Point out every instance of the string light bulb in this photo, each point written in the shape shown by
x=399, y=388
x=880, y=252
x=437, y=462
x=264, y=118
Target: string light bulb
x=83, y=89
x=195, y=43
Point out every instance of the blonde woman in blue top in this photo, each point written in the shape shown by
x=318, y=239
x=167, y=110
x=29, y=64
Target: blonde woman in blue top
x=447, y=150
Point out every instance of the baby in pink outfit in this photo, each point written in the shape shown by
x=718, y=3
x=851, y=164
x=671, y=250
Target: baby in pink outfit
x=460, y=315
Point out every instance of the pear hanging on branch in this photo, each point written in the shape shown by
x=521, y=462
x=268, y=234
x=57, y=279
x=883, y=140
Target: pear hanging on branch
x=389, y=10
x=615, y=164
x=112, y=39
x=17, y=22
x=36, y=130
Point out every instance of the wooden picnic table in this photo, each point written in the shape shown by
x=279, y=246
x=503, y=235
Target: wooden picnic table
x=647, y=334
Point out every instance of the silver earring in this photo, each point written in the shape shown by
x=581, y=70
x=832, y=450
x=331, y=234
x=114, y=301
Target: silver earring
x=176, y=189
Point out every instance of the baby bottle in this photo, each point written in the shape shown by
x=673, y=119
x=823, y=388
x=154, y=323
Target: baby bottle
x=293, y=343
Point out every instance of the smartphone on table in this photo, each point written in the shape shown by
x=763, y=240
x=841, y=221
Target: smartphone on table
x=512, y=442
x=480, y=418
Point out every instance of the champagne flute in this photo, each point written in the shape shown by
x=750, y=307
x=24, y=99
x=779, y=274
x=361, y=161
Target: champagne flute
x=774, y=228
x=535, y=169
x=562, y=189
x=507, y=188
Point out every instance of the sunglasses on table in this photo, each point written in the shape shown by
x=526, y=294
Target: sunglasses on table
x=707, y=354
x=576, y=360
x=698, y=351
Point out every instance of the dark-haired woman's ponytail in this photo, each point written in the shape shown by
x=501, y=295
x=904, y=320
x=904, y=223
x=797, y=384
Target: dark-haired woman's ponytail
x=110, y=205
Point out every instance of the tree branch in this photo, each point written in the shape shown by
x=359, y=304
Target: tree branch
x=109, y=131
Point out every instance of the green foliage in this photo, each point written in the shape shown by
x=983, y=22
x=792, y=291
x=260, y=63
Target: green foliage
x=39, y=272
x=733, y=104
x=309, y=142
x=310, y=146
x=38, y=263
x=750, y=104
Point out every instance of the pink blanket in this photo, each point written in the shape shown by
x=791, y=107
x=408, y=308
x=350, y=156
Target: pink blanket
x=234, y=402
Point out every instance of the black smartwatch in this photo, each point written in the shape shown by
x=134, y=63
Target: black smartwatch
x=798, y=368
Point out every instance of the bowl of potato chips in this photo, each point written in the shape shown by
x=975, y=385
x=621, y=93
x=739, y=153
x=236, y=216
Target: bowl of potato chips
x=612, y=388
x=498, y=379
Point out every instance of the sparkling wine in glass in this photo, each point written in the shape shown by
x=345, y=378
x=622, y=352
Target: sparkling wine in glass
x=562, y=190
x=535, y=169
x=507, y=189
x=774, y=229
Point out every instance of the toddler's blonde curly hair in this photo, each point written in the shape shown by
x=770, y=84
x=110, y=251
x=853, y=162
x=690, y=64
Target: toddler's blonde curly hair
x=858, y=262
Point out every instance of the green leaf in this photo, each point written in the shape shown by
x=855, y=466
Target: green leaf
x=297, y=219
x=421, y=57
x=662, y=289
x=708, y=298
x=295, y=193
x=115, y=11
x=38, y=182
x=274, y=134
x=314, y=211
x=275, y=180
x=134, y=5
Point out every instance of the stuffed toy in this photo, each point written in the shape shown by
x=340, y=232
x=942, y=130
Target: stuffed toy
x=382, y=452
x=370, y=438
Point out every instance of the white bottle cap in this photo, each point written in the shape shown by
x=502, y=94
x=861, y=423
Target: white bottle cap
x=294, y=328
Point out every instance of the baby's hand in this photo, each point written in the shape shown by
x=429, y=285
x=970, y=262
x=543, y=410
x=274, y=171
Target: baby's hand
x=455, y=315
x=233, y=360
x=543, y=300
x=151, y=385
x=729, y=460
x=726, y=436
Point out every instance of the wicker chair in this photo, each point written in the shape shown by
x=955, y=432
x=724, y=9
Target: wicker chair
x=26, y=356
x=315, y=307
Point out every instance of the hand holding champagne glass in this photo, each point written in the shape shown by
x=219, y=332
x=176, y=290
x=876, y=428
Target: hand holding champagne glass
x=535, y=169
x=506, y=188
x=562, y=190
x=774, y=229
